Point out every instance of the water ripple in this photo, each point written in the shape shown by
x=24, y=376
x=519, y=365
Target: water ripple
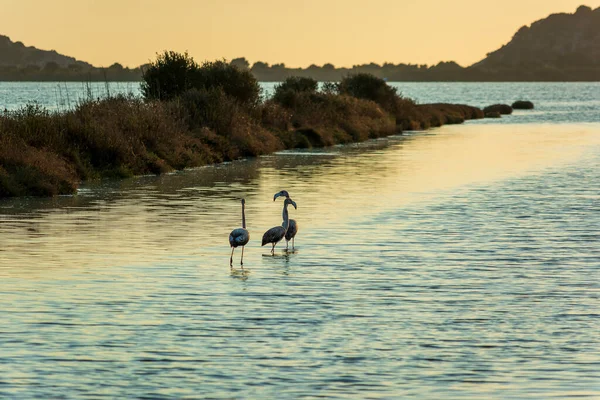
x=472, y=277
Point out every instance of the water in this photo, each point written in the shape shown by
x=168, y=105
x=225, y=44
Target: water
x=463, y=262
x=60, y=96
x=556, y=102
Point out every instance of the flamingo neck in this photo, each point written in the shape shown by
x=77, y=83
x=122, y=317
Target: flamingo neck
x=286, y=218
x=243, y=216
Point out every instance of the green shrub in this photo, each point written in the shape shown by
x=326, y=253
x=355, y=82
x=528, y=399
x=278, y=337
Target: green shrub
x=275, y=117
x=170, y=75
x=116, y=136
x=285, y=91
x=237, y=133
x=370, y=87
x=210, y=108
x=173, y=74
x=296, y=84
x=322, y=119
x=237, y=83
x=26, y=170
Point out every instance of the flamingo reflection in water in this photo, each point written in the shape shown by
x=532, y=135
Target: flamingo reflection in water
x=275, y=234
x=239, y=237
x=290, y=234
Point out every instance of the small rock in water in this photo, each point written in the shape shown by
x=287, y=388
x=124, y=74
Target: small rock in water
x=522, y=105
x=500, y=108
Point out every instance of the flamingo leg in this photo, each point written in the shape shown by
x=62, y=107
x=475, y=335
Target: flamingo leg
x=231, y=258
x=273, y=249
x=242, y=259
x=287, y=244
x=293, y=243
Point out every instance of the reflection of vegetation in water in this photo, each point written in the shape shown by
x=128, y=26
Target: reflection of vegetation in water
x=193, y=116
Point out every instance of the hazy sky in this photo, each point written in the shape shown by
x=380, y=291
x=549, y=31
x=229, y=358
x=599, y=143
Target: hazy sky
x=297, y=33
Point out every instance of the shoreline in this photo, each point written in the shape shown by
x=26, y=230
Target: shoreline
x=58, y=175
x=44, y=153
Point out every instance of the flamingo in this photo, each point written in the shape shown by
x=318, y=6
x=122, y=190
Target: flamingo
x=275, y=234
x=290, y=234
x=239, y=237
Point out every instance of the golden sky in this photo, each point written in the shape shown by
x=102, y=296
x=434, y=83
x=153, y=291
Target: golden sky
x=297, y=33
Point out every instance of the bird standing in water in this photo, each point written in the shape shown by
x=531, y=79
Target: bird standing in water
x=275, y=234
x=239, y=237
x=290, y=234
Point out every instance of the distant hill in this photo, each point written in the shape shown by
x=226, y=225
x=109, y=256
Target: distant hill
x=561, y=47
x=27, y=63
x=16, y=54
x=560, y=42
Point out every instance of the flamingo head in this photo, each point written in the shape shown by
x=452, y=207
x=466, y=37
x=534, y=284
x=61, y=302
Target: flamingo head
x=283, y=193
x=290, y=201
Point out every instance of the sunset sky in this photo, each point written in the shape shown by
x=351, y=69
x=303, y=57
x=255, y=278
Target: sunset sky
x=297, y=33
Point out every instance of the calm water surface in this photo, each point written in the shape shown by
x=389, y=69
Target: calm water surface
x=459, y=263
x=556, y=102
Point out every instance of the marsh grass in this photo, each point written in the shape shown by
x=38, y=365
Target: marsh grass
x=117, y=136
x=47, y=153
x=324, y=119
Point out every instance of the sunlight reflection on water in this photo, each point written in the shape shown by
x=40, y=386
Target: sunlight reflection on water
x=462, y=262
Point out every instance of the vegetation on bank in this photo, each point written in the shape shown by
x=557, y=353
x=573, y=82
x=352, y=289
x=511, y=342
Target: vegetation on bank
x=502, y=109
x=193, y=115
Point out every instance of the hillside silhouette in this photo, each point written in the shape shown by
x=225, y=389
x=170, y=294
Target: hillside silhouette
x=27, y=63
x=16, y=54
x=560, y=47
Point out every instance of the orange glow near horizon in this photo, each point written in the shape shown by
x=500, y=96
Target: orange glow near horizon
x=341, y=32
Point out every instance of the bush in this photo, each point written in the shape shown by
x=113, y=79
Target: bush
x=370, y=87
x=173, y=74
x=169, y=76
x=239, y=84
x=45, y=153
x=275, y=117
x=27, y=171
x=237, y=133
x=322, y=119
x=425, y=116
x=126, y=136
x=210, y=108
x=492, y=114
x=501, y=108
x=298, y=84
x=284, y=92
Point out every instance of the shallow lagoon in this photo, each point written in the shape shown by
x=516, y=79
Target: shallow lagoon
x=463, y=262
